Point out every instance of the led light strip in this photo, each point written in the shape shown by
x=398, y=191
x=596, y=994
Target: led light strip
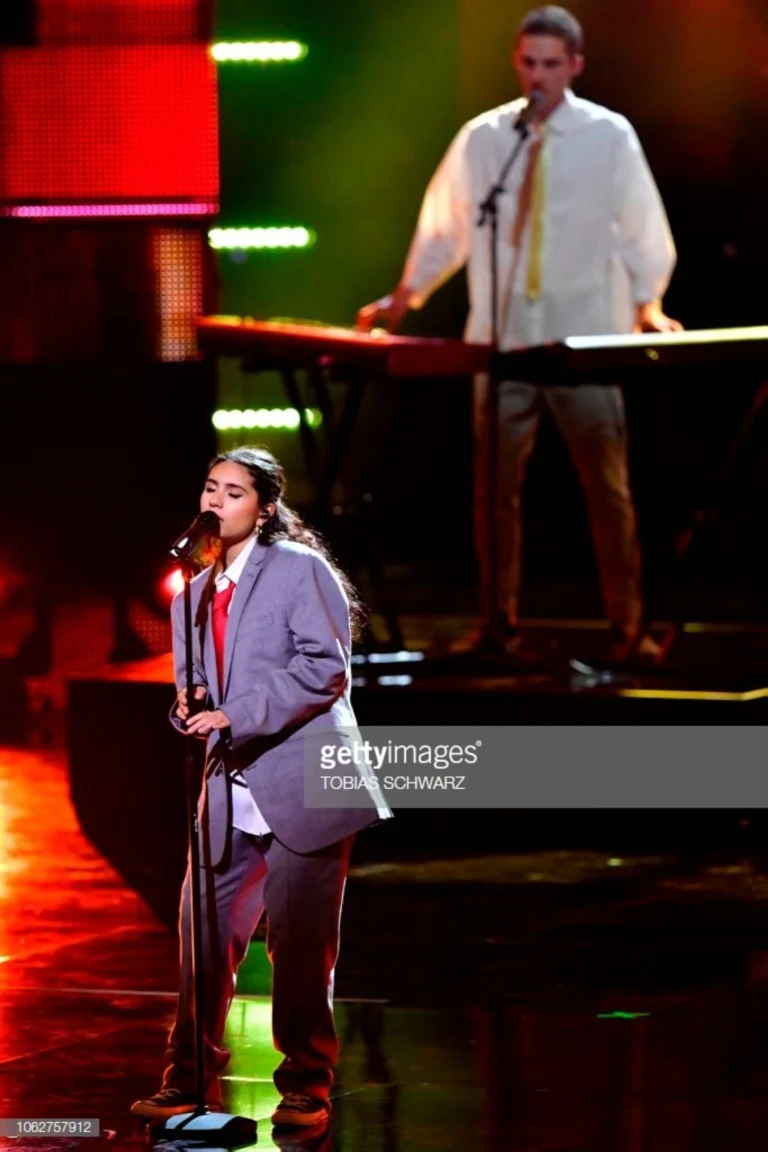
x=235, y=420
x=692, y=694
x=258, y=51
x=241, y=239
x=62, y=211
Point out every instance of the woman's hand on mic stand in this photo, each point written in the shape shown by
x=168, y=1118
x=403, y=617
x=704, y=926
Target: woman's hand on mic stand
x=203, y=723
x=201, y=730
x=181, y=700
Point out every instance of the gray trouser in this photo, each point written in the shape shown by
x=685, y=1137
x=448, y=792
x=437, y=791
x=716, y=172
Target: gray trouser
x=591, y=420
x=302, y=896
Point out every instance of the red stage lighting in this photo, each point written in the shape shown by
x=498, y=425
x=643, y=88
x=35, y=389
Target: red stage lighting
x=88, y=123
x=117, y=21
x=173, y=584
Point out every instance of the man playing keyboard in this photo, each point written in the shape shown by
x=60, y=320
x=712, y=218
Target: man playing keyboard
x=584, y=248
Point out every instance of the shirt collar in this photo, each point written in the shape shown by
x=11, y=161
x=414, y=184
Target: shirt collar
x=235, y=570
x=566, y=116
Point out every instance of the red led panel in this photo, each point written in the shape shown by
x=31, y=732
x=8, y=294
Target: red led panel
x=96, y=123
x=176, y=256
x=117, y=21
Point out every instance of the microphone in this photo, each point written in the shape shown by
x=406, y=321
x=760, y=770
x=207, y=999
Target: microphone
x=535, y=100
x=206, y=524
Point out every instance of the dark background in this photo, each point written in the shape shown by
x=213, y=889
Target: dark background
x=344, y=142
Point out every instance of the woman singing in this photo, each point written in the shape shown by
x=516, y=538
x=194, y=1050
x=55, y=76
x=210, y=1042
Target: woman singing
x=273, y=619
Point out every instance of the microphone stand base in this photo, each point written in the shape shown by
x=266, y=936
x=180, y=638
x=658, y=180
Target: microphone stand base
x=218, y=1128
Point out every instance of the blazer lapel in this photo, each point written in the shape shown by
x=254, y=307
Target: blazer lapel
x=243, y=590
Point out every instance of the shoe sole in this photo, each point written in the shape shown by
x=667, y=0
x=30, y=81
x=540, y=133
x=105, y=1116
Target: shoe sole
x=299, y=1119
x=151, y=1113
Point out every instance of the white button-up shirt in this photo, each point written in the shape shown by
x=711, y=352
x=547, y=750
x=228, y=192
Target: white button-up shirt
x=245, y=811
x=607, y=242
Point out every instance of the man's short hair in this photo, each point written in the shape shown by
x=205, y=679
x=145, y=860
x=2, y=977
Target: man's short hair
x=554, y=21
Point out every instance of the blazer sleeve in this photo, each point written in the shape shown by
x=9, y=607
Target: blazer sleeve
x=180, y=657
x=316, y=676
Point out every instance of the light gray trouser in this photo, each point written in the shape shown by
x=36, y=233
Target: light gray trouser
x=591, y=420
x=302, y=896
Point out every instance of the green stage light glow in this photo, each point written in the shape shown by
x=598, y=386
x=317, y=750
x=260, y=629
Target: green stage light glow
x=278, y=419
x=622, y=1015
x=258, y=51
x=242, y=239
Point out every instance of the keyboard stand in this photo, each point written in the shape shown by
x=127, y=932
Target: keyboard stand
x=327, y=462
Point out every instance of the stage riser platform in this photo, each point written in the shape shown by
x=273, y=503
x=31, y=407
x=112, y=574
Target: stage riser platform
x=127, y=781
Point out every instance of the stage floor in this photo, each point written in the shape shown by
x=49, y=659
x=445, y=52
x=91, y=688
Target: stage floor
x=565, y=1001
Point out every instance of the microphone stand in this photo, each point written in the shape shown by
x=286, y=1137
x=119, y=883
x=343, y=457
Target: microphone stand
x=489, y=215
x=201, y=1125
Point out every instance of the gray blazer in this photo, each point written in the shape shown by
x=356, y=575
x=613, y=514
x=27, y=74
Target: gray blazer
x=286, y=690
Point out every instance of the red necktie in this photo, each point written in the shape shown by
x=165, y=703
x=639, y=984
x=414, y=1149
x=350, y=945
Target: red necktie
x=219, y=623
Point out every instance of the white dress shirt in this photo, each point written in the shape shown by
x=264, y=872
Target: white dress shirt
x=607, y=243
x=245, y=811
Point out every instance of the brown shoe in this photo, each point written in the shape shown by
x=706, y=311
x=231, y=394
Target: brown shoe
x=167, y=1102
x=297, y=1110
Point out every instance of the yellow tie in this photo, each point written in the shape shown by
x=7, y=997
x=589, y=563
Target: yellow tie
x=538, y=204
